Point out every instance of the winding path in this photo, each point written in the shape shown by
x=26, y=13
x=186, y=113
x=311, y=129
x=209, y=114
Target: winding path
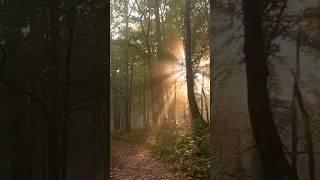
x=131, y=161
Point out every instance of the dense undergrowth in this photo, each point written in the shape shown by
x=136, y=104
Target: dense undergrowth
x=181, y=149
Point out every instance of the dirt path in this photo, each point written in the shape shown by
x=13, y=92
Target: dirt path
x=131, y=161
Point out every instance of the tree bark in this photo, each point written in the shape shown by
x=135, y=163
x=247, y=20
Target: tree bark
x=268, y=142
x=130, y=99
x=308, y=130
x=160, y=91
x=196, y=115
x=211, y=44
x=145, y=119
x=294, y=129
x=127, y=112
x=54, y=99
x=158, y=28
x=116, y=113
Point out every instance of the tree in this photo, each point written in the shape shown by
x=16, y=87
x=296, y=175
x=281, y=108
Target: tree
x=196, y=115
x=308, y=131
x=127, y=100
x=146, y=28
x=158, y=30
x=46, y=88
x=211, y=44
x=268, y=143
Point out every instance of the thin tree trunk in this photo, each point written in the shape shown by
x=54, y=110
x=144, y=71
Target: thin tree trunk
x=131, y=100
x=151, y=67
x=146, y=125
x=201, y=102
x=116, y=111
x=106, y=89
x=211, y=44
x=308, y=131
x=203, y=95
x=206, y=104
x=127, y=112
x=160, y=81
x=175, y=102
x=158, y=29
x=268, y=142
x=295, y=113
x=54, y=102
x=196, y=115
x=65, y=124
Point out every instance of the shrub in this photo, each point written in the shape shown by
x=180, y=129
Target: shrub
x=187, y=152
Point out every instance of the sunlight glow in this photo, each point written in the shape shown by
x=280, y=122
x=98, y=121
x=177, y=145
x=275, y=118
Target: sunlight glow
x=172, y=71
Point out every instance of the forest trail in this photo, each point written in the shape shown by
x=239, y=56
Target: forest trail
x=134, y=161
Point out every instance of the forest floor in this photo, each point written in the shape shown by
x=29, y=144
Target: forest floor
x=132, y=160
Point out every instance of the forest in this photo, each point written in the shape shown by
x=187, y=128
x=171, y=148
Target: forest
x=221, y=90
x=159, y=89
x=54, y=101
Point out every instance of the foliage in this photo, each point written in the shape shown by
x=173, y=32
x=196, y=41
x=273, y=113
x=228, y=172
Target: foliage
x=187, y=152
x=184, y=152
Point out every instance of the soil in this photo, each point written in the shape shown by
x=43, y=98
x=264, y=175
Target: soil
x=133, y=161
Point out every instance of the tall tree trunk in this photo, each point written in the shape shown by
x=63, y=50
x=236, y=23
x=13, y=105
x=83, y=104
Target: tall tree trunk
x=116, y=112
x=204, y=98
x=201, y=100
x=15, y=101
x=66, y=113
x=146, y=34
x=268, y=142
x=160, y=91
x=158, y=29
x=54, y=94
x=127, y=112
x=104, y=87
x=174, y=103
x=196, y=115
x=205, y=104
x=297, y=97
x=211, y=45
x=308, y=130
x=131, y=100
x=145, y=119
x=294, y=129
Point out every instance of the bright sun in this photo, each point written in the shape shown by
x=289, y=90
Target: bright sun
x=176, y=49
x=177, y=69
x=173, y=71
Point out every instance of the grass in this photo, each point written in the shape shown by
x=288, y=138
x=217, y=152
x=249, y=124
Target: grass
x=135, y=136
